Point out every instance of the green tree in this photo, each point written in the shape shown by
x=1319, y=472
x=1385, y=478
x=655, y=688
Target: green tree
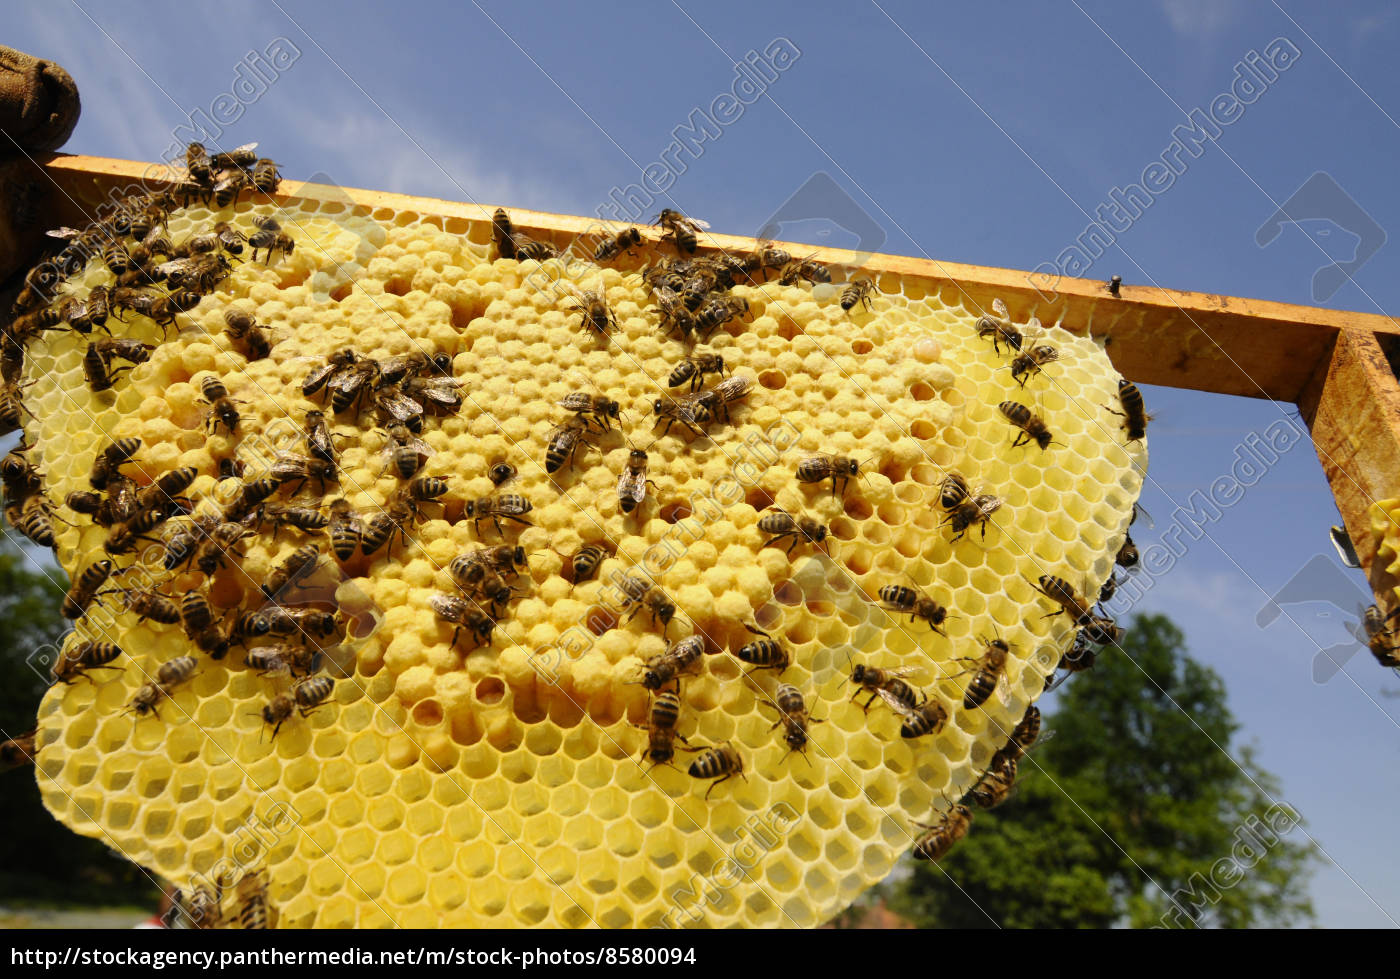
x=41, y=860
x=1132, y=814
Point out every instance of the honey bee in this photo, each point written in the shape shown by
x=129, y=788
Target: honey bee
x=815, y=469
x=250, y=338
x=766, y=653
x=681, y=230
x=17, y=752
x=597, y=314
x=782, y=524
x=532, y=248
x=1127, y=556
x=987, y=670
x=227, y=188
x=250, y=495
x=306, y=623
x=721, y=763
x=35, y=520
x=312, y=692
x=500, y=473
x=404, y=452
x=509, y=506
x=12, y=407
x=107, y=462
x=643, y=594
x=857, y=293
x=77, y=659
x=694, y=368
x=253, y=905
x=424, y=489
x=613, y=245
x=1065, y=595
x=270, y=238
x=1135, y=418
x=905, y=600
x=170, y=674
x=124, y=537
x=1100, y=630
x=31, y=325
x=964, y=509
x=1380, y=639
x=97, y=372
x=888, y=685
x=591, y=408
x=479, y=580
x=718, y=311
x=345, y=529
x=1031, y=362
x=683, y=411
x=442, y=395
x=385, y=525
x=266, y=176
x=85, y=589
x=1023, y=735
x=238, y=158
x=1109, y=589
x=196, y=614
x=769, y=256
x=305, y=519
x=92, y=312
x=632, y=484
x=197, y=163
x=714, y=402
x=1032, y=427
x=289, y=573
x=221, y=406
x=116, y=257
x=266, y=659
x=132, y=351
x=792, y=714
x=586, y=562
x=804, y=269
x=202, y=907
x=464, y=616
x=926, y=717
x=337, y=363
x=995, y=785
x=248, y=624
x=661, y=730
x=676, y=659
x=940, y=837
x=215, y=548
x=200, y=273
x=503, y=233
x=290, y=468
x=320, y=443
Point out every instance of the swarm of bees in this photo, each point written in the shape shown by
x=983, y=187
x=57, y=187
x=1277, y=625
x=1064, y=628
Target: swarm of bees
x=296, y=497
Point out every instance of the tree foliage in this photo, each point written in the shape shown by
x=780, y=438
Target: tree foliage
x=1139, y=811
x=41, y=860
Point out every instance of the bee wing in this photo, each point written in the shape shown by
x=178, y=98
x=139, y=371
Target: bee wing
x=733, y=388
x=245, y=148
x=999, y=308
x=697, y=223
x=1147, y=517
x=446, y=606
x=64, y=233
x=632, y=486
x=895, y=704
x=421, y=447
x=167, y=269
x=317, y=378
x=401, y=408
x=349, y=381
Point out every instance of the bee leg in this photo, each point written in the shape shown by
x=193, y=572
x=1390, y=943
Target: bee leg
x=716, y=783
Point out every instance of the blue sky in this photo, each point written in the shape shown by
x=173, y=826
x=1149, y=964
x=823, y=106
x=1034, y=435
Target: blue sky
x=984, y=134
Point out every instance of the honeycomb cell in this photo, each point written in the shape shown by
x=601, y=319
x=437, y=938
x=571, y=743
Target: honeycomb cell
x=507, y=785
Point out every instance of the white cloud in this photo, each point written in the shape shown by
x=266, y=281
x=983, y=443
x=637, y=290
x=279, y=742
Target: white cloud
x=1199, y=19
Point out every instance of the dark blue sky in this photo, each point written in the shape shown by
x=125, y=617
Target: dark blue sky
x=985, y=134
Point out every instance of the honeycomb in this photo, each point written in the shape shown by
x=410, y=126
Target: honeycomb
x=505, y=785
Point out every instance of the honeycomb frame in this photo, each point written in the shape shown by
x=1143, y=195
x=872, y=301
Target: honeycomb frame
x=503, y=786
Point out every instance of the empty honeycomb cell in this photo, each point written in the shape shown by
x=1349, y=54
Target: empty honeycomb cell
x=446, y=786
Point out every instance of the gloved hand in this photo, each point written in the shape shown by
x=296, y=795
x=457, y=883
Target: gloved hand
x=39, y=104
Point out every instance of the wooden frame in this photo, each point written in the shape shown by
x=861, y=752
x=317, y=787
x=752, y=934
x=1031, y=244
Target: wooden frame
x=1329, y=363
